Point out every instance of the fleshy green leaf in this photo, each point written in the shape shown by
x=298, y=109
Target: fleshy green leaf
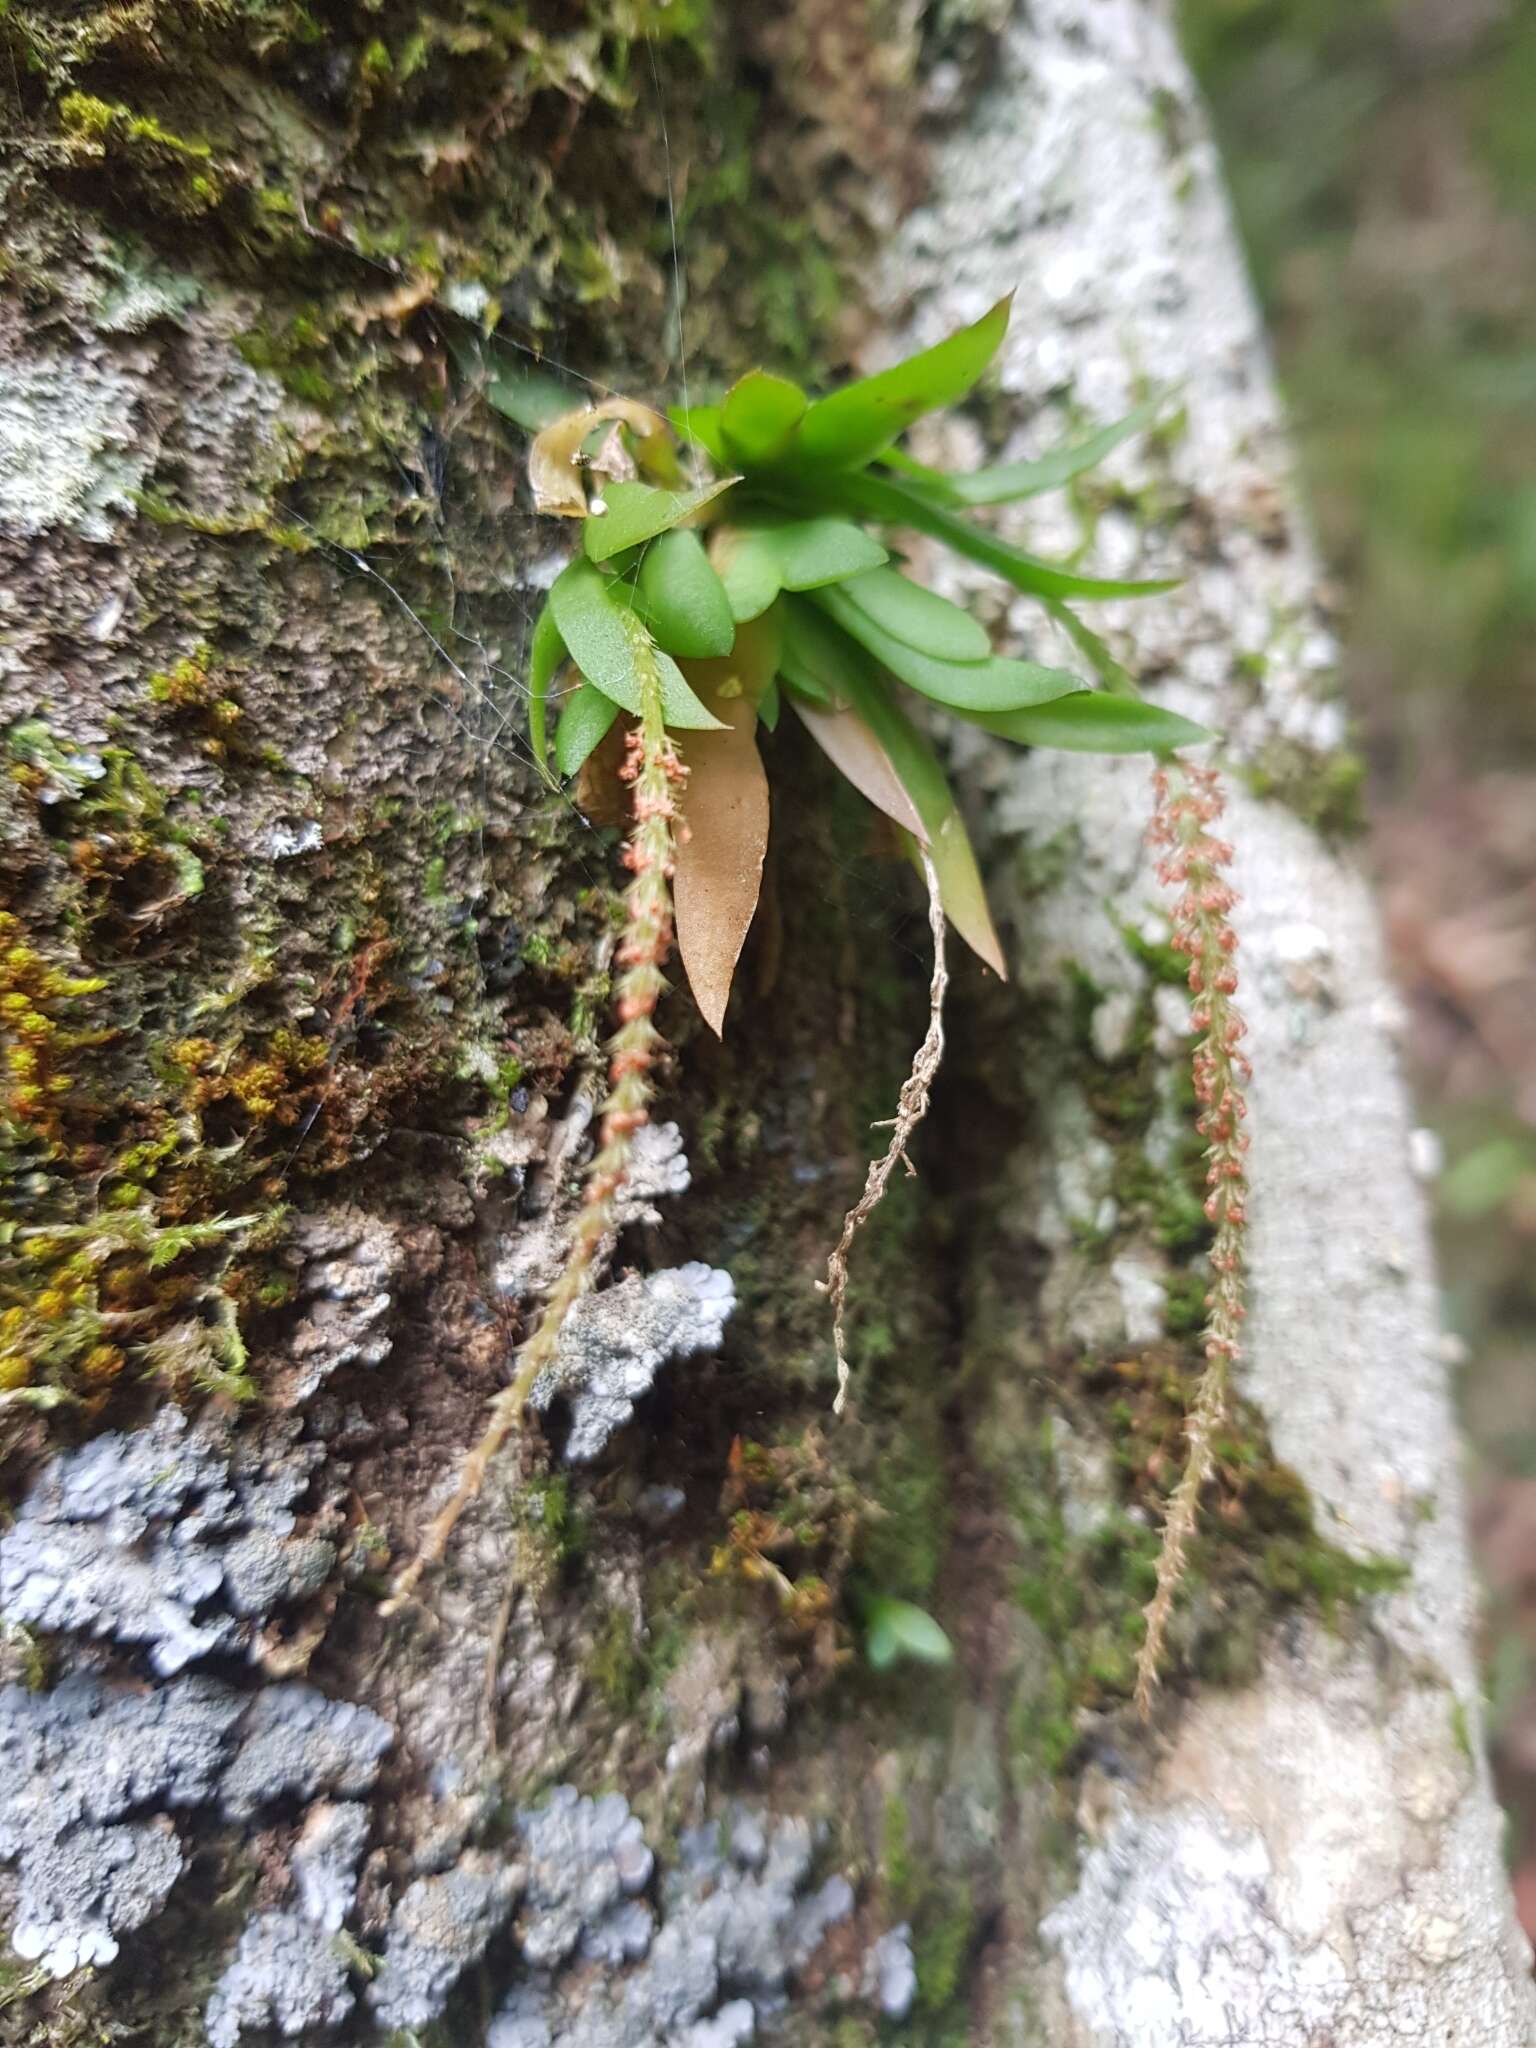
x=995, y=685
x=1009, y=482
x=681, y=598
x=760, y=414
x=701, y=425
x=1095, y=722
x=757, y=561
x=545, y=656
x=845, y=430
x=748, y=566
x=895, y=1629
x=897, y=504
x=1103, y=663
x=584, y=721
x=638, y=512
x=816, y=657
x=611, y=647
x=960, y=886
x=769, y=707
x=919, y=617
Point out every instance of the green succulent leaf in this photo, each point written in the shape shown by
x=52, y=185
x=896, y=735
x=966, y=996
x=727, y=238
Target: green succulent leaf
x=757, y=561
x=895, y=1629
x=1110, y=672
x=1096, y=722
x=584, y=721
x=1009, y=482
x=611, y=646
x=759, y=417
x=681, y=598
x=815, y=657
x=700, y=424
x=995, y=685
x=547, y=652
x=638, y=512
x=769, y=705
x=919, y=617
x=850, y=427
x=898, y=504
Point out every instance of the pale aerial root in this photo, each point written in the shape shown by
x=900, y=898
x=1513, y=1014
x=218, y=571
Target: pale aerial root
x=1189, y=800
x=911, y=1108
x=653, y=766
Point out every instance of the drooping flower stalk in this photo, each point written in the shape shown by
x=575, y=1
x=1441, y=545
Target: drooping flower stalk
x=652, y=765
x=911, y=1108
x=1189, y=801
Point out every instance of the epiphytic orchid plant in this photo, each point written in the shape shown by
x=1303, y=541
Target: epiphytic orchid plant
x=696, y=608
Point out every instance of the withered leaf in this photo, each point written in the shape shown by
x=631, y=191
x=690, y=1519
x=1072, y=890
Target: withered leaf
x=725, y=809
x=553, y=469
x=854, y=751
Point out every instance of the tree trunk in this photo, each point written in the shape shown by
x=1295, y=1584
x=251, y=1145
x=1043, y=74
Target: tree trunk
x=305, y=978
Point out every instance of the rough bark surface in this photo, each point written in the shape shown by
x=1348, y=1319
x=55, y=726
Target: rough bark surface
x=1312, y=1856
x=297, y=928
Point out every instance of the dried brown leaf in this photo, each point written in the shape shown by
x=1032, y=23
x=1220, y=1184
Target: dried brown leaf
x=725, y=811
x=854, y=751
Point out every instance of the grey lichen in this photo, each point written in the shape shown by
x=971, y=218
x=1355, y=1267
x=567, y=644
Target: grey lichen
x=295, y=1741
x=532, y=1255
x=738, y=1920
x=440, y=1926
x=289, y=1973
x=614, y=1344
x=89, y=1774
x=287, y=1976
x=75, y=1763
x=80, y=1892
x=350, y=1272
x=162, y=1537
x=890, y=1973
x=585, y=1858
x=70, y=454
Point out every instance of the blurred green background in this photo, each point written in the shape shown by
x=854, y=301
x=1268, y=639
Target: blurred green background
x=1382, y=160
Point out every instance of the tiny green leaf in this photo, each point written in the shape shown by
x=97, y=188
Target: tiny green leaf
x=896, y=1629
x=919, y=617
x=996, y=685
x=898, y=504
x=759, y=416
x=682, y=600
x=701, y=425
x=768, y=707
x=851, y=426
x=584, y=721
x=638, y=512
x=545, y=656
x=1009, y=482
x=611, y=647
x=1095, y=722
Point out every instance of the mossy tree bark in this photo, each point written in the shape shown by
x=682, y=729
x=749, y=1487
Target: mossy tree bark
x=294, y=936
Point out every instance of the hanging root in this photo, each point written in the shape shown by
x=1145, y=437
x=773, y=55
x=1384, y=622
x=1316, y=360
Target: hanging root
x=911, y=1108
x=1189, y=800
x=654, y=768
